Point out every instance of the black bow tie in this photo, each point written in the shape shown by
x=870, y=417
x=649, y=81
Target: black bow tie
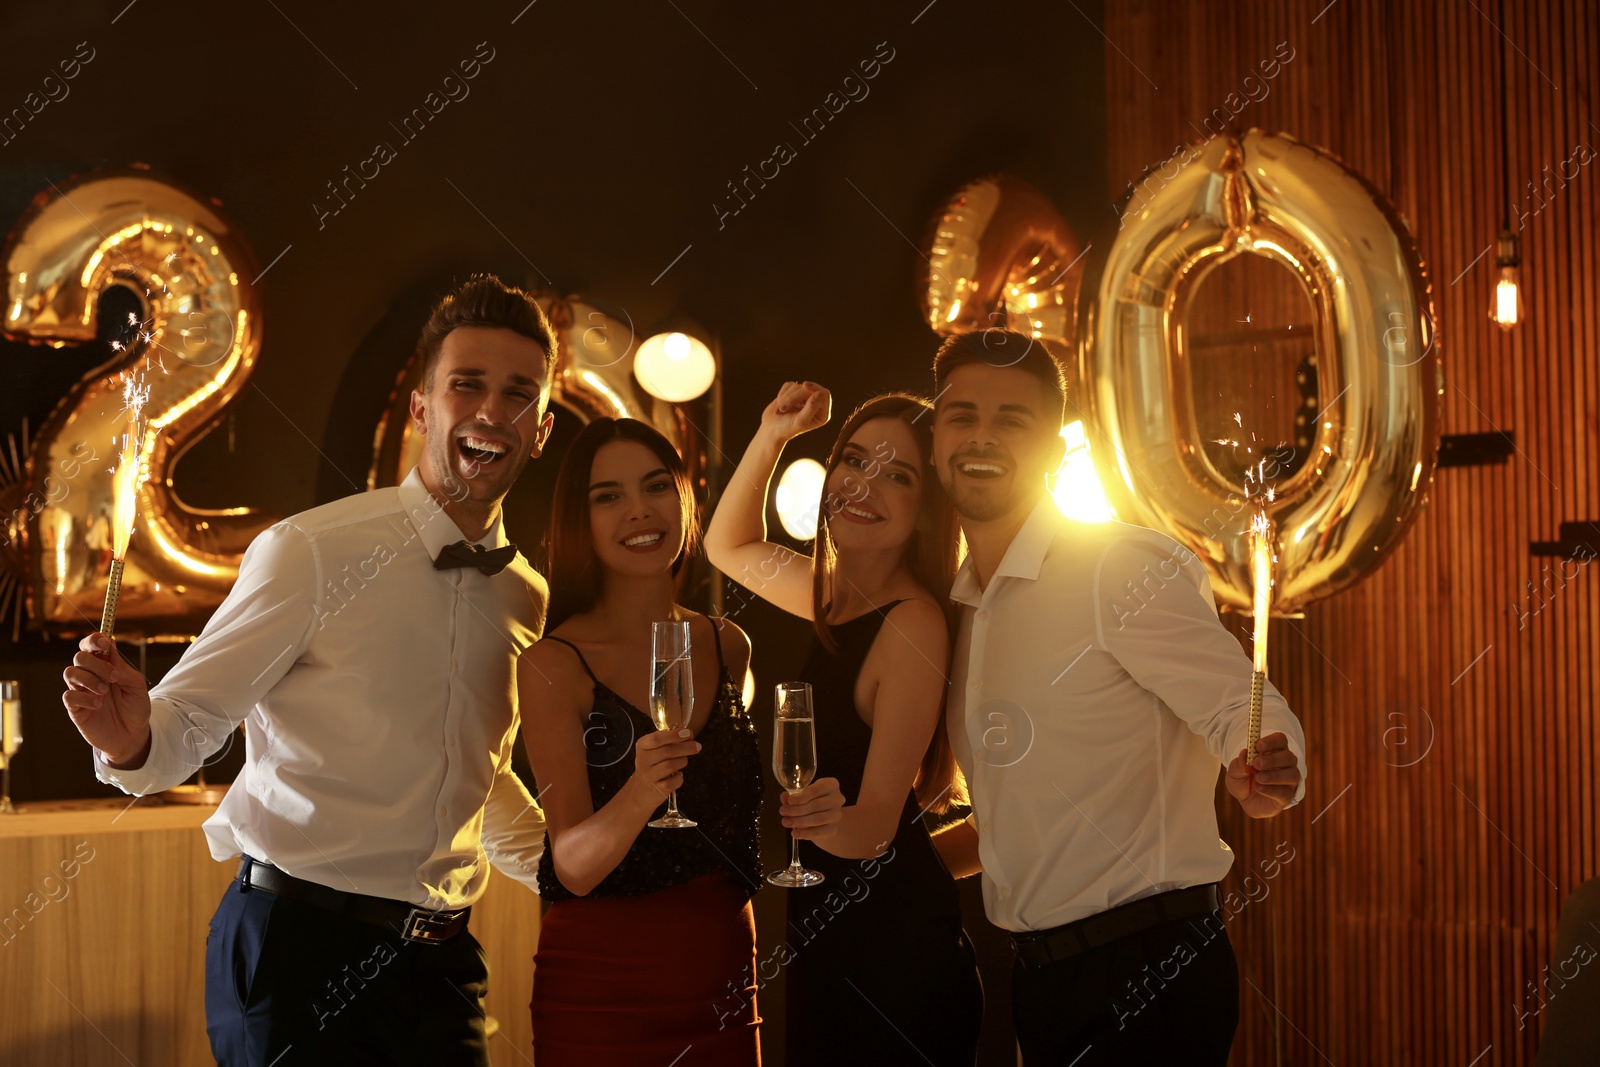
x=467, y=554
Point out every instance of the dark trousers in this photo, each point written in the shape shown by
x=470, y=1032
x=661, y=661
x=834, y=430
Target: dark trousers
x=289, y=984
x=1169, y=994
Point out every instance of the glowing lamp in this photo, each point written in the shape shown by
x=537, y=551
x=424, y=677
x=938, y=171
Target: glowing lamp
x=798, y=494
x=674, y=367
x=1507, y=308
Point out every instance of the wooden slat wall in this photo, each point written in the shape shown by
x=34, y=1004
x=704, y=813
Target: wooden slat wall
x=1421, y=904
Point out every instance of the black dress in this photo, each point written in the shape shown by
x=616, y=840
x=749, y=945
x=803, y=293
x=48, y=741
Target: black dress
x=880, y=969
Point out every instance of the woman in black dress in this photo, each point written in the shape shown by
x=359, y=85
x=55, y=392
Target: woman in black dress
x=879, y=970
x=647, y=925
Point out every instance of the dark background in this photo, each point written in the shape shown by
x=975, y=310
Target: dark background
x=587, y=156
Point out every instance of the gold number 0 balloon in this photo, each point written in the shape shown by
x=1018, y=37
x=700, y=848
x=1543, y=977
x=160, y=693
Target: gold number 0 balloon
x=1375, y=443
x=200, y=328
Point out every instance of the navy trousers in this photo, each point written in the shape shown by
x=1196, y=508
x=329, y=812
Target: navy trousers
x=289, y=985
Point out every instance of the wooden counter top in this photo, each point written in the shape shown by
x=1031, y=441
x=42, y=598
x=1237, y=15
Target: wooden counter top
x=101, y=815
x=104, y=906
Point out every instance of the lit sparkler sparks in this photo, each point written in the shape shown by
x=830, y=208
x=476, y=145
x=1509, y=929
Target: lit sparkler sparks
x=1261, y=560
x=126, y=478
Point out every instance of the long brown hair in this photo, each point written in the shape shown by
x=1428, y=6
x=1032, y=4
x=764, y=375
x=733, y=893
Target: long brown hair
x=571, y=566
x=930, y=554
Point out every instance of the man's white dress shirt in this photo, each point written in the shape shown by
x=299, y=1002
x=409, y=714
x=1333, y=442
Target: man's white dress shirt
x=1095, y=696
x=379, y=702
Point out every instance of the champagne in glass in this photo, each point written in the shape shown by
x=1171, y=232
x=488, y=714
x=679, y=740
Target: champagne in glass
x=671, y=695
x=10, y=739
x=794, y=761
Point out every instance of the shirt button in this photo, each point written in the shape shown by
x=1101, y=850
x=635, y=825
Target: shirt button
x=977, y=684
x=984, y=614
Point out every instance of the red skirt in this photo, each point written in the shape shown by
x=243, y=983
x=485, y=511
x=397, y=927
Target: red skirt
x=666, y=979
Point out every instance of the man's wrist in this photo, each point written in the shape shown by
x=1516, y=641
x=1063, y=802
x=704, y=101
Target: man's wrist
x=132, y=761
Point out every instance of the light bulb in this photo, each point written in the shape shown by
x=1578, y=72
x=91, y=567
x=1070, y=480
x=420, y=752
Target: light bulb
x=798, y=496
x=674, y=367
x=1506, y=310
x=1507, y=299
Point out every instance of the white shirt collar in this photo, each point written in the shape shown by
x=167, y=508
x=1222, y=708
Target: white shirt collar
x=1024, y=556
x=437, y=528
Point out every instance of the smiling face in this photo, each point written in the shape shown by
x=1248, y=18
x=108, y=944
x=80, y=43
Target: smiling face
x=872, y=495
x=635, y=510
x=997, y=434
x=483, y=413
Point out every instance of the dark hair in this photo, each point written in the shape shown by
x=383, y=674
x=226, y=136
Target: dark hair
x=930, y=553
x=1000, y=348
x=485, y=300
x=570, y=563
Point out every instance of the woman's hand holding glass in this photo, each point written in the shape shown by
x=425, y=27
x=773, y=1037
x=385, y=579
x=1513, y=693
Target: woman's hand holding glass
x=658, y=762
x=813, y=813
x=794, y=761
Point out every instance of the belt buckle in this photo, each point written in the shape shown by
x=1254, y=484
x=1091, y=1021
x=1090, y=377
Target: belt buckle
x=428, y=927
x=1030, y=950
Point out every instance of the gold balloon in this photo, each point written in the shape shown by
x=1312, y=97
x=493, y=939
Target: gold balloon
x=1000, y=243
x=194, y=345
x=593, y=379
x=1376, y=440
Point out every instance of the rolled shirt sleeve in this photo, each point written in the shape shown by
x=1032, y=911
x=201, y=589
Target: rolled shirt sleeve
x=1171, y=641
x=250, y=642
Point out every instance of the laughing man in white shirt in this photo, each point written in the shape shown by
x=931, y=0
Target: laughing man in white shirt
x=369, y=647
x=1094, y=696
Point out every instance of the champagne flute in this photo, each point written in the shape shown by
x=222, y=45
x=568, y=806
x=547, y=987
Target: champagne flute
x=10, y=739
x=671, y=695
x=794, y=761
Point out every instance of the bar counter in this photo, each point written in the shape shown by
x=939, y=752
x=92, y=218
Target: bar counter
x=104, y=907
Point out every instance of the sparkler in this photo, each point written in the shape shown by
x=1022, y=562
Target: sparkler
x=124, y=492
x=1261, y=560
x=1261, y=586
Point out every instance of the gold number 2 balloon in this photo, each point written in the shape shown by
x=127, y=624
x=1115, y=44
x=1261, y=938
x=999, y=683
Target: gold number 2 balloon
x=194, y=345
x=1375, y=443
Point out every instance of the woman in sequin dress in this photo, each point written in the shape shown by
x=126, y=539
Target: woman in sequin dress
x=647, y=926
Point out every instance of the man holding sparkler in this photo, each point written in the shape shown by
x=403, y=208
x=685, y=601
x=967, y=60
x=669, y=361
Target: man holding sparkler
x=1094, y=695
x=369, y=647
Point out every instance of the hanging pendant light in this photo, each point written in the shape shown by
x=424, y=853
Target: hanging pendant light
x=1505, y=306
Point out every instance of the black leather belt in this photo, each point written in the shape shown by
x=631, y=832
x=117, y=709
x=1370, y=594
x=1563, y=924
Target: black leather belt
x=1037, y=949
x=409, y=921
